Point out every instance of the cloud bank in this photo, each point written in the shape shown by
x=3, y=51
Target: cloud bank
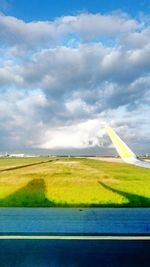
x=61, y=80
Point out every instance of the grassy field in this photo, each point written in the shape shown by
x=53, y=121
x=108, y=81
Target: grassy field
x=72, y=182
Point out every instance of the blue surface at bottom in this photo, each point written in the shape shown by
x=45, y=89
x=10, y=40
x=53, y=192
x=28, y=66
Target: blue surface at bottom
x=69, y=253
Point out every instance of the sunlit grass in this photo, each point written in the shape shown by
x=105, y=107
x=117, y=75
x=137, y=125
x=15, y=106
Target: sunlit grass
x=13, y=162
x=73, y=182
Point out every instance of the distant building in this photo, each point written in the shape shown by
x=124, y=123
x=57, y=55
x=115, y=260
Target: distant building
x=16, y=156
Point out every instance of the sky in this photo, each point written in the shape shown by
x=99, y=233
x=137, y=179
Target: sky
x=69, y=67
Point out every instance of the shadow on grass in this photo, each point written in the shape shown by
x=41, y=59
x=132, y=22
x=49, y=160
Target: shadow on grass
x=133, y=199
x=32, y=195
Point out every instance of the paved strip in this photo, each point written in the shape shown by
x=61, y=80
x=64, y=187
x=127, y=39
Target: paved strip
x=74, y=221
x=23, y=237
x=24, y=166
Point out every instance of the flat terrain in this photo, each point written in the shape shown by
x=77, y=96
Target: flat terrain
x=74, y=182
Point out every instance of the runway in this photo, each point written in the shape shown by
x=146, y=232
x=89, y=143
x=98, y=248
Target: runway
x=74, y=221
x=74, y=237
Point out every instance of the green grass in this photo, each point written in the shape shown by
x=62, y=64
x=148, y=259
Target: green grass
x=13, y=162
x=72, y=182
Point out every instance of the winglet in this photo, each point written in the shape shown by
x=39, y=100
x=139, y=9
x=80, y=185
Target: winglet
x=123, y=150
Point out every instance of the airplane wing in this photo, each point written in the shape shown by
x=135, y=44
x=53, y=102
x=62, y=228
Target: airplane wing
x=124, y=151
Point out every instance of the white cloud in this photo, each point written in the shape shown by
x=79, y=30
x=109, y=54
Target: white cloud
x=80, y=135
x=17, y=33
x=55, y=96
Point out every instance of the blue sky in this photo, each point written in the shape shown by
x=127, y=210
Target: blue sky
x=48, y=9
x=68, y=67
